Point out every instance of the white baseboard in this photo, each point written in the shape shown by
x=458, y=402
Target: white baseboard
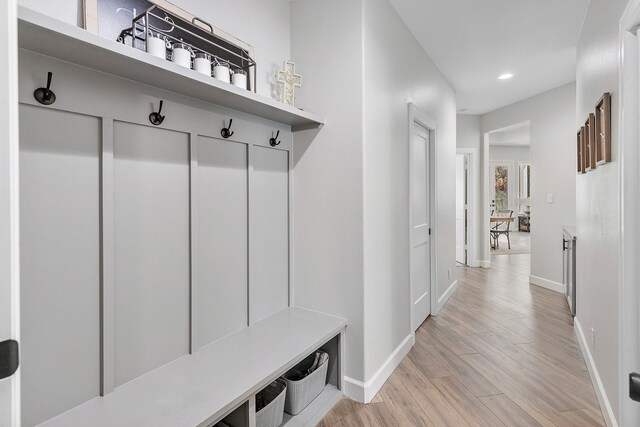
x=365, y=392
x=483, y=263
x=547, y=284
x=605, y=405
x=445, y=297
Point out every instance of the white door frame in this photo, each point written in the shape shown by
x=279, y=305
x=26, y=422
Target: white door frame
x=629, y=180
x=472, y=211
x=9, y=206
x=420, y=118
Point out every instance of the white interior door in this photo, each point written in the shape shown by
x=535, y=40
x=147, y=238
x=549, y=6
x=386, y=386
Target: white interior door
x=461, y=209
x=420, y=227
x=9, y=257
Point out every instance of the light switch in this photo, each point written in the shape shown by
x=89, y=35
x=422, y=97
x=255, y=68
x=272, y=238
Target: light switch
x=550, y=198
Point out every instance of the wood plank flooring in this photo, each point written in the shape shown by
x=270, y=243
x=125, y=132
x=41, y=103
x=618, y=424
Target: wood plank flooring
x=500, y=353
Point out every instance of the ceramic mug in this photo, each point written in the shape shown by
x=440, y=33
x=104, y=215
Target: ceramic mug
x=157, y=46
x=202, y=63
x=181, y=55
x=221, y=71
x=240, y=78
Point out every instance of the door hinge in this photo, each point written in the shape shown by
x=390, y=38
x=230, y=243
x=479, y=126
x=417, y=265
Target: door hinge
x=8, y=358
x=634, y=386
x=429, y=231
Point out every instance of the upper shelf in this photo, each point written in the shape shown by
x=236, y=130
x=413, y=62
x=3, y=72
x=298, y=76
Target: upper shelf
x=42, y=34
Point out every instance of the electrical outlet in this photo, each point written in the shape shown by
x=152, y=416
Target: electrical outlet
x=449, y=273
x=593, y=337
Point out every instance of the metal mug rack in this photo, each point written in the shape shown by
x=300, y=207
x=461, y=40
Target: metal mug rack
x=158, y=22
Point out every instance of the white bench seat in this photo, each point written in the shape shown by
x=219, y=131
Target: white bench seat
x=199, y=389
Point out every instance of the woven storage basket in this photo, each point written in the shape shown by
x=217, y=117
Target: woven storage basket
x=302, y=392
x=272, y=413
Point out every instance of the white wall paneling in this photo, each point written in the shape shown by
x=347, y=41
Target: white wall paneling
x=142, y=231
x=269, y=232
x=60, y=269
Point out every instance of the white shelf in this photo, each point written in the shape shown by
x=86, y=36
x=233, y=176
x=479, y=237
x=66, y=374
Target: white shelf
x=317, y=409
x=42, y=34
x=201, y=388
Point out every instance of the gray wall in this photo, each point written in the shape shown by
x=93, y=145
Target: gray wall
x=598, y=197
x=328, y=170
x=351, y=184
x=552, y=171
x=392, y=76
x=515, y=154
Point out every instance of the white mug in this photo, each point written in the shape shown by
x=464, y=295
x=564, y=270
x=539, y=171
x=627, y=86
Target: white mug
x=221, y=72
x=157, y=46
x=240, y=78
x=181, y=55
x=202, y=63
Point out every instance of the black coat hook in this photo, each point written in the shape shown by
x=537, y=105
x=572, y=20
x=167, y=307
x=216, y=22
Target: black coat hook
x=45, y=96
x=157, y=118
x=225, y=131
x=273, y=141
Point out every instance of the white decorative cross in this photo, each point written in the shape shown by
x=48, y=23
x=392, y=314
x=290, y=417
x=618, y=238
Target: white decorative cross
x=290, y=80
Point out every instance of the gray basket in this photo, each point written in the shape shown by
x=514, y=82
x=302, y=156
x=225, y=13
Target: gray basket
x=272, y=413
x=302, y=392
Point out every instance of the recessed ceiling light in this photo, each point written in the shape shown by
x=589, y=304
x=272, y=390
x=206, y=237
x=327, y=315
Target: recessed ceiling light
x=505, y=76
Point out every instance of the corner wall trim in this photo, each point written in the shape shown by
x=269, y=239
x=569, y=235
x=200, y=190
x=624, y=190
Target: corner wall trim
x=547, y=284
x=605, y=405
x=365, y=392
x=447, y=294
x=483, y=263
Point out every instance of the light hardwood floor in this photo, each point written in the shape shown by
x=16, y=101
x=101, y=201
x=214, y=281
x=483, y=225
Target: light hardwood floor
x=500, y=353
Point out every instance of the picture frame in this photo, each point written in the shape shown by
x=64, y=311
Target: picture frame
x=579, y=150
x=589, y=143
x=602, y=131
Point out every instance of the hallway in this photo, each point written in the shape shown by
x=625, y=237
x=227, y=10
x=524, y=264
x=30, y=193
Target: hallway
x=501, y=352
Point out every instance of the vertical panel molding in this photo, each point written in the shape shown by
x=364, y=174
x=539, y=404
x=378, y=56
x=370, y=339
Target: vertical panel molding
x=107, y=304
x=193, y=234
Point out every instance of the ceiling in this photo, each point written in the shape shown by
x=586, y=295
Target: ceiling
x=473, y=42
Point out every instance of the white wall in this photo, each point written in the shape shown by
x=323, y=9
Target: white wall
x=598, y=197
x=264, y=24
x=386, y=177
x=552, y=117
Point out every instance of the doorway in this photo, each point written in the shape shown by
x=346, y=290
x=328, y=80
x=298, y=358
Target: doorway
x=422, y=217
x=508, y=195
x=462, y=209
x=629, y=155
x=420, y=225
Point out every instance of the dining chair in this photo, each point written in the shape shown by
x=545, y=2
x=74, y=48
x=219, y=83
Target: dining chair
x=502, y=228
